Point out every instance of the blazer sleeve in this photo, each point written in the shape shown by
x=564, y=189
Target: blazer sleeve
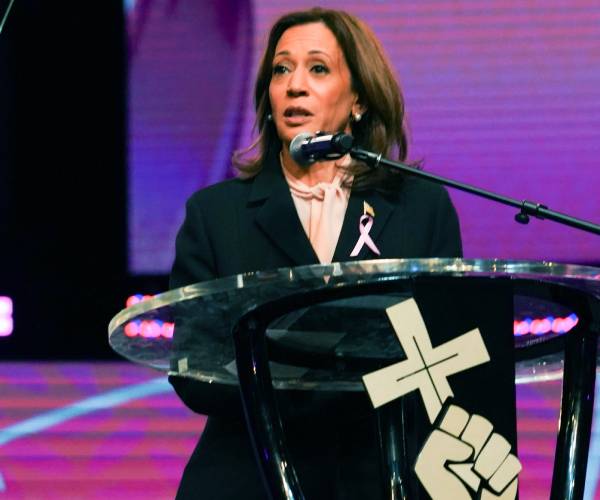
x=194, y=253
x=446, y=240
x=194, y=262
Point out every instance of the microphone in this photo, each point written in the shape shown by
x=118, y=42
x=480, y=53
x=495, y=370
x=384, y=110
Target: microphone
x=306, y=148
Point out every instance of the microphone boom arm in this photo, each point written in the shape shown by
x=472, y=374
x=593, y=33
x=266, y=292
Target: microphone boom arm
x=526, y=208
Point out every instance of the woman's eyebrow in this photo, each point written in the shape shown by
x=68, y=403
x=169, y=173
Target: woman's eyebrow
x=313, y=51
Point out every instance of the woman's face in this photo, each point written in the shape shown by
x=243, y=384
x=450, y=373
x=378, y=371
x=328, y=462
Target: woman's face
x=310, y=88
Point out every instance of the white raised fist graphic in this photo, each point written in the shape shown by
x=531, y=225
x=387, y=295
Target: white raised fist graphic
x=463, y=459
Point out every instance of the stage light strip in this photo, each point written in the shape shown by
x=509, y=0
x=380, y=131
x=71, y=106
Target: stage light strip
x=104, y=401
x=149, y=329
x=6, y=316
x=543, y=326
x=138, y=297
x=154, y=329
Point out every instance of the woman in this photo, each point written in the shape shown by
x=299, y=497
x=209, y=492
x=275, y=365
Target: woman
x=322, y=70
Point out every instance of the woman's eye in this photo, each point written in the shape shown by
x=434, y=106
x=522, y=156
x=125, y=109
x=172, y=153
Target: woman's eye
x=320, y=68
x=279, y=69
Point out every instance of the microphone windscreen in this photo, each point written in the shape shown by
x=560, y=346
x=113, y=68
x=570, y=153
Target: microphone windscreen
x=296, y=151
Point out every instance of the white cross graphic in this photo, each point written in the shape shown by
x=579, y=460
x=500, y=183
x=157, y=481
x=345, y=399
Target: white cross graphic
x=426, y=368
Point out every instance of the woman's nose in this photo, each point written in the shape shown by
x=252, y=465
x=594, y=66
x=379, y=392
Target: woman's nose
x=297, y=83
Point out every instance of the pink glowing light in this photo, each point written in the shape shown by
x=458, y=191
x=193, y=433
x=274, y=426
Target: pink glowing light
x=543, y=326
x=540, y=326
x=132, y=300
x=520, y=328
x=149, y=329
x=6, y=327
x=167, y=330
x=6, y=306
x=6, y=319
x=135, y=299
x=155, y=329
x=132, y=329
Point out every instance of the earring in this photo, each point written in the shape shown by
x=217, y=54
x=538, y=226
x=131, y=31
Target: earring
x=269, y=117
x=357, y=117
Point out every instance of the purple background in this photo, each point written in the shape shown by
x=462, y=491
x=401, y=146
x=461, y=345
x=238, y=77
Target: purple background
x=502, y=95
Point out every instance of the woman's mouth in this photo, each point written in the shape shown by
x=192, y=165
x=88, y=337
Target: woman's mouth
x=295, y=116
x=296, y=111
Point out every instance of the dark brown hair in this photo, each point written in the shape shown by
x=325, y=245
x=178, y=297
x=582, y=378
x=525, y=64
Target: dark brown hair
x=381, y=128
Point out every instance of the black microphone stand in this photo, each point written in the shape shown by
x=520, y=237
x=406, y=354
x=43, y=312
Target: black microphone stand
x=526, y=208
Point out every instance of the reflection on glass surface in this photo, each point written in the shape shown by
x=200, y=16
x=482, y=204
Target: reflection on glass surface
x=187, y=330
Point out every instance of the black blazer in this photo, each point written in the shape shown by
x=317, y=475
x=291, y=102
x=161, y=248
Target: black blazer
x=240, y=226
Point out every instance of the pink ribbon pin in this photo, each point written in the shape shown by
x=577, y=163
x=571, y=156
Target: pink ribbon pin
x=364, y=226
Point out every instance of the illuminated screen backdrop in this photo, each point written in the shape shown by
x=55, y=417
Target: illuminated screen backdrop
x=501, y=95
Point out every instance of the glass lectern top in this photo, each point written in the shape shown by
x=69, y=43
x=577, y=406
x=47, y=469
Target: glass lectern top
x=188, y=331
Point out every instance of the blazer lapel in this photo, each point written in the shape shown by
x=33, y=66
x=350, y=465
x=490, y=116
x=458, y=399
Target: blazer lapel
x=351, y=232
x=278, y=218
